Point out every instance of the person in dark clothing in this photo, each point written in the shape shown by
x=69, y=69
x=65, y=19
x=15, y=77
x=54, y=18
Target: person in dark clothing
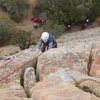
x=84, y=24
x=47, y=41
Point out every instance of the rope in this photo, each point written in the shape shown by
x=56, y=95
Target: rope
x=6, y=63
x=18, y=68
x=9, y=61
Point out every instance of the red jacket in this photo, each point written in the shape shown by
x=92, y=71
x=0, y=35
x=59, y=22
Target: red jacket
x=41, y=19
x=35, y=20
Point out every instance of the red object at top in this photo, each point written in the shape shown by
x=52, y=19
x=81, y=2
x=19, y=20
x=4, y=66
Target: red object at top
x=41, y=19
x=32, y=18
x=35, y=20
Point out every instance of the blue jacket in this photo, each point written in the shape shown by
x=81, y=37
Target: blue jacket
x=50, y=44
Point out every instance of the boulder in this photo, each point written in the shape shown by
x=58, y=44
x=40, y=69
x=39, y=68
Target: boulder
x=57, y=90
x=95, y=68
x=70, y=76
x=71, y=59
x=29, y=79
x=11, y=69
x=91, y=86
x=12, y=91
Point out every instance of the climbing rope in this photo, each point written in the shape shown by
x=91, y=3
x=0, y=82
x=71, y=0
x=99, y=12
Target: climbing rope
x=15, y=70
x=9, y=60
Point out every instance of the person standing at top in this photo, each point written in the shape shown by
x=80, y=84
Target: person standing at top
x=37, y=21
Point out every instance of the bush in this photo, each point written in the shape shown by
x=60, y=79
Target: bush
x=16, y=8
x=41, y=9
x=33, y=42
x=54, y=28
x=97, y=7
x=21, y=36
x=23, y=39
x=7, y=28
x=68, y=11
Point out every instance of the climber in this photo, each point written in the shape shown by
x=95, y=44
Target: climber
x=47, y=41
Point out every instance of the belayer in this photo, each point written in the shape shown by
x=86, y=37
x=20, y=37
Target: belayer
x=37, y=21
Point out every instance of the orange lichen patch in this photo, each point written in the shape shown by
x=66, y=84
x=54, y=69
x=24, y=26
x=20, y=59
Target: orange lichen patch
x=95, y=68
x=51, y=69
x=69, y=60
x=97, y=60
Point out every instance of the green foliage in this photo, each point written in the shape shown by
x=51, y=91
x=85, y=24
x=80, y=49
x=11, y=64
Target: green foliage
x=33, y=42
x=97, y=7
x=7, y=28
x=23, y=39
x=69, y=11
x=40, y=10
x=21, y=36
x=54, y=28
x=16, y=8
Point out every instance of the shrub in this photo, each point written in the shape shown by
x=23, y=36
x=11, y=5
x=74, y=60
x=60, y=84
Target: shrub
x=21, y=36
x=33, y=42
x=16, y=8
x=41, y=9
x=23, y=39
x=7, y=28
x=53, y=28
x=68, y=11
x=97, y=7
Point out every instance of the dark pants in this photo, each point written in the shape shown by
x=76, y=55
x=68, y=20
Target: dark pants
x=44, y=47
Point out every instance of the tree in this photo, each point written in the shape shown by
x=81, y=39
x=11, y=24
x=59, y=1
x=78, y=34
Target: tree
x=16, y=8
x=96, y=7
x=7, y=29
x=67, y=11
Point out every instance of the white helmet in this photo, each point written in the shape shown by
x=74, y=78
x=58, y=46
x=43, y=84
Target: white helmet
x=45, y=36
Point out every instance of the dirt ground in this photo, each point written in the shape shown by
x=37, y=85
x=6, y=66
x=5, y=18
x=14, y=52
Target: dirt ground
x=8, y=50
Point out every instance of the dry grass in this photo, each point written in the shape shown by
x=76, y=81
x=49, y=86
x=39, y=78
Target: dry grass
x=2, y=13
x=10, y=49
x=33, y=2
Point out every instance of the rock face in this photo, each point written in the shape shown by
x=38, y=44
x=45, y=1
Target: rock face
x=29, y=78
x=95, y=68
x=7, y=50
x=57, y=90
x=91, y=86
x=63, y=72
x=70, y=76
x=61, y=85
x=54, y=59
x=12, y=91
x=12, y=69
